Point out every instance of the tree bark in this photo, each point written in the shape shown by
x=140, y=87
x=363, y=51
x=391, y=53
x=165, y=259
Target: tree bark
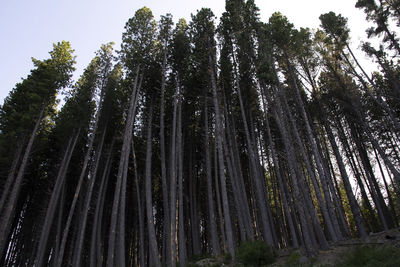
x=10, y=206
x=51, y=209
x=118, y=210
x=211, y=213
x=149, y=205
x=355, y=208
x=219, y=140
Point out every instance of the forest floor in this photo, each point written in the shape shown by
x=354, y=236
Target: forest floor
x=332, y=257
x=338, y=250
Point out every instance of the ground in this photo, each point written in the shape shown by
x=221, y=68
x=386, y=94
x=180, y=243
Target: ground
x=331, y=257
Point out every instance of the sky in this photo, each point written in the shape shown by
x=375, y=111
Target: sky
x=28, y=28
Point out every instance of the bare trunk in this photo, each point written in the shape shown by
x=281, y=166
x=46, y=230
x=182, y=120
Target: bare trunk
x=11, y=175
x=95, y=244
x=336, y=235
x=317, y=190
x=172, y=169
x=9, y=208
x=219, y=140
x=88, y=197
x=118, y=210
x=140, y=211
x=76, y=195
x=181, y=226
x=149, y=204
x=295, y=242
x=51, y=209
x=218, y=195
x=355, y=209
x=166, y=234
x=211, y=213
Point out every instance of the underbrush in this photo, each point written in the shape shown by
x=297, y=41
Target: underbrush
x=371, y=256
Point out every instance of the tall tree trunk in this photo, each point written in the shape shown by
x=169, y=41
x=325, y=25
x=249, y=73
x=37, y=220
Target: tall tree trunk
x=181, y=225
x=51, y=209
x=95, y=244
x=355, y=209
x=317, y=156
x=257, y=177
x=218, y=195
x=389, y=194
x=88, y=197
x=219, y=140
x=77, y=192
x=11, y=174
x=277, y=169
x=235, y=170
x=321, y=202
x=376, y=194
x=118, y=209
x=167, y=226
x=211, y=213
x=10, y=206
x=172, y=169
x=149, y=204
x=140, y=211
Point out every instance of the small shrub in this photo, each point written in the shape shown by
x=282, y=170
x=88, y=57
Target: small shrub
x=255, y=253
x=227, y=258
x=294, y=258
x=370, y=256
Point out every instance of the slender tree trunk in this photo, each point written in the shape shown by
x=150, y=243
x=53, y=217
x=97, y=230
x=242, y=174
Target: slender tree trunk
x=11, y=175
x=118, y=209
x=238, y=186
x=219, y=140
x=181, y=225
x=51, y=209
x=140, y=211
x=218, y=195
x=349, y=154
x=295, y=242
x=10, y=206
x=167, y=226
x=376, y=194
x=88, y=197
x=355, y=209
x=76, y=195
x=95, y=244
x=211, y=213
x=321, y=202
x=172, y=169
x=317, y=156
x=59, y=224
x=261, y=201
x=149, y=205
x=392, y=168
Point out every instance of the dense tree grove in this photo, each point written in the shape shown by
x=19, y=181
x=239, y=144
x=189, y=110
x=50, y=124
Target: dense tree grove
x=196, y=137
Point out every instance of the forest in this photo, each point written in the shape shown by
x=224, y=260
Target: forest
x=197, y=136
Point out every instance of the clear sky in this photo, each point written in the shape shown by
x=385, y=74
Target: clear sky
x=28, y=28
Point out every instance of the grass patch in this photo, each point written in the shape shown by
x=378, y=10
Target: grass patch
x=371, y=256
x=255, y=253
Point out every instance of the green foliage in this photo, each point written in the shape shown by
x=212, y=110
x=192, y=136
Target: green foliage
x=255, y=253
x=227, y=258
x=369, y=256
x=294, y=258
x=335, y=26
x=138, y=40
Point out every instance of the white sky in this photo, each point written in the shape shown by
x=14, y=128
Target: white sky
x=29, y=27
